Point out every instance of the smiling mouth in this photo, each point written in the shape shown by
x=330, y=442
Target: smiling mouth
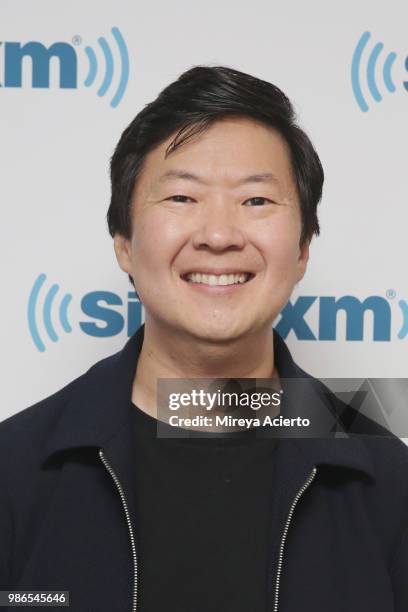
x=218, y=280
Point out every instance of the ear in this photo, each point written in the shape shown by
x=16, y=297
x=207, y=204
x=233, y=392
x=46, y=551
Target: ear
x=302, y=260
x=122, y=252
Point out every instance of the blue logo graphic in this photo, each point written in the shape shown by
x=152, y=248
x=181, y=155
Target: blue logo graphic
x=370, y=71
x=97, y=305
x=109, y=67
x=108, y=315
x=48, y=303
x=66, y=53
x=293, y=318
x=404, y=329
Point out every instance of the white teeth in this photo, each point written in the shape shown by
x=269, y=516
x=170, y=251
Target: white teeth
x=217, y=279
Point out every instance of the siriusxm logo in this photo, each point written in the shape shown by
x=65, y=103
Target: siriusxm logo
x=365, y=65
x=110, y=315
x=101, y=306
x=293, y=318
x=67, y=56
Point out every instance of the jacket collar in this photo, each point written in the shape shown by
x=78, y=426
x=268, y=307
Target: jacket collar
x=99, y=401
x=98, y=407
x=342, y=448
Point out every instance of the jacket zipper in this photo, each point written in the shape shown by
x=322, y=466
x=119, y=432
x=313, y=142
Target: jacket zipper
x=128, y=521
x=299, y=494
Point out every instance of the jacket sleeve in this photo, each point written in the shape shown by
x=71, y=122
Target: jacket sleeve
x=399, y=575
x=5, y=537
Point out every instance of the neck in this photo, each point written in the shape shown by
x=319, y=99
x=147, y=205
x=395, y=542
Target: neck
x=167, y=353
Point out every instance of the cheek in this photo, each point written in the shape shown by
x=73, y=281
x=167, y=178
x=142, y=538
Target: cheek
x=279, y=243
x=155, y=242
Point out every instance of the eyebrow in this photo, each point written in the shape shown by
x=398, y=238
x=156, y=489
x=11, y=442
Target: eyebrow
x=264, y=177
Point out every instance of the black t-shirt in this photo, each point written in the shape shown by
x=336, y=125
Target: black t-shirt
x=202, y=520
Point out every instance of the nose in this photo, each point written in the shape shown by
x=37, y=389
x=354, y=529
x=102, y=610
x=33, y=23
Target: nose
x=218, y=228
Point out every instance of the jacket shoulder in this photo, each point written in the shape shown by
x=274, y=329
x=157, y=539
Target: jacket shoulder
x=26, y=431
x=29, y=427
x=388, y=452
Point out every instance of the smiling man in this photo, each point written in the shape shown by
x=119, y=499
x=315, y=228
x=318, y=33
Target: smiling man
x=214, y=197
x=215, y=251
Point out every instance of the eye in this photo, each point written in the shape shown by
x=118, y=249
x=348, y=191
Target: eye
x=179, y=198
x=259, y=201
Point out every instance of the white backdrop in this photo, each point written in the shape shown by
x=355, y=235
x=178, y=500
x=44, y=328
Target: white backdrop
x=56, y=144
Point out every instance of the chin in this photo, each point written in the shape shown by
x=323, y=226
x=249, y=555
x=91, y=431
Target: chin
x=216, y=332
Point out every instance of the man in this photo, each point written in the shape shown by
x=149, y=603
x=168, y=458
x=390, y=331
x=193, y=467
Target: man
x=214, y=196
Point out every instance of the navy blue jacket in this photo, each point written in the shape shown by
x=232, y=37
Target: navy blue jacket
x=67, y=508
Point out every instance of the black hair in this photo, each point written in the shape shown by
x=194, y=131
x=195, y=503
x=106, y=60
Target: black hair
x=199, y=97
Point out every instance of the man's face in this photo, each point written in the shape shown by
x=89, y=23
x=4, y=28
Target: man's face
x=226, y=201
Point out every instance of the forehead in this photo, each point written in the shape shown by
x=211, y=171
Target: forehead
x=226, y=152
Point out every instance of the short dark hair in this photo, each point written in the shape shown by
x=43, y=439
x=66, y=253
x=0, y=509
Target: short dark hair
x=198, y=98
